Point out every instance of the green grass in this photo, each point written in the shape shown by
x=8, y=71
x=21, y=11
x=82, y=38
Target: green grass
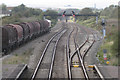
x=107, y=46
x=18, y=59
x=111, y=37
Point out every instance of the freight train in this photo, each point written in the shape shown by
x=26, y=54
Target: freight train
x=14, y=35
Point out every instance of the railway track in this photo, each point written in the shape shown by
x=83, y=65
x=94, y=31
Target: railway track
x=98, y=72
x=75, y=54
x=46, y=62
x=75, y=57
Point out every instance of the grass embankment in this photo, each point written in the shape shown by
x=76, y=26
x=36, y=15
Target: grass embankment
x=111, y=41
x=18, y=58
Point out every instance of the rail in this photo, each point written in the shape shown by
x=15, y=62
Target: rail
x=68, y=56
x=80, y=57
x=82, y=61
x=98, y=72
x=53, y=57
x=42, y=56
x=21, y=72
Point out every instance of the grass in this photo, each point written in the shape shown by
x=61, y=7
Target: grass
x=111, y=30
x=106, y=45
x=15, y=60
x=16, y=54
x=6, y=69
x=18, y=59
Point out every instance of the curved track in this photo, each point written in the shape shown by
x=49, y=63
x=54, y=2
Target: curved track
x=76, y=54
x=46, y=61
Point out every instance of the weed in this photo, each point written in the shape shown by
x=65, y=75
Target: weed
x=16, y=54
x=6, y=69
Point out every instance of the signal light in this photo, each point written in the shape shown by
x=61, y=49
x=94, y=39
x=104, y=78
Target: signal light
x=73, y=15
x=64, y=13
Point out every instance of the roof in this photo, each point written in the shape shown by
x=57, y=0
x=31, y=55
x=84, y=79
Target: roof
x=10, y=8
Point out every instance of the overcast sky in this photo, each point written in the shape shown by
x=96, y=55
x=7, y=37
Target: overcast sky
x=61, y=3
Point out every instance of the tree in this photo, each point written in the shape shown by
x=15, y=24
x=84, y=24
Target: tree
x=85, y=11
x=20, y=8
x=23, y=11
x=4, y=9
x=51, y=12
x=108, y=11
x=52, y=18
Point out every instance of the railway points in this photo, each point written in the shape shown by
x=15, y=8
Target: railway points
x=77, y=45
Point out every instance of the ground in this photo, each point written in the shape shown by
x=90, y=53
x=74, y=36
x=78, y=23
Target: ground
x=30, y=52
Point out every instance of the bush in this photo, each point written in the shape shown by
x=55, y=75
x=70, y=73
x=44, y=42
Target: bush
x=10, y=20
x=115, y=46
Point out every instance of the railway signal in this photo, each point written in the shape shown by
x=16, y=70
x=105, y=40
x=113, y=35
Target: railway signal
x=103, y=25
x=96, y=19
x=64, y=14
x=103, y=22
x=73, y=13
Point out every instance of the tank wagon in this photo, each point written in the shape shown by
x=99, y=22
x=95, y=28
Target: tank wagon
x=19, y=33
x=14, y=35
x=26, y=31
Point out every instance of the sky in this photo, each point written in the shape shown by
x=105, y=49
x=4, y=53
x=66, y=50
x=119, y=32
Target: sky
x=61, y=3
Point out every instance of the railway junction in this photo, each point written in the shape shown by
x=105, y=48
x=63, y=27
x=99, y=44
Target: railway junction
x=68, y=51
